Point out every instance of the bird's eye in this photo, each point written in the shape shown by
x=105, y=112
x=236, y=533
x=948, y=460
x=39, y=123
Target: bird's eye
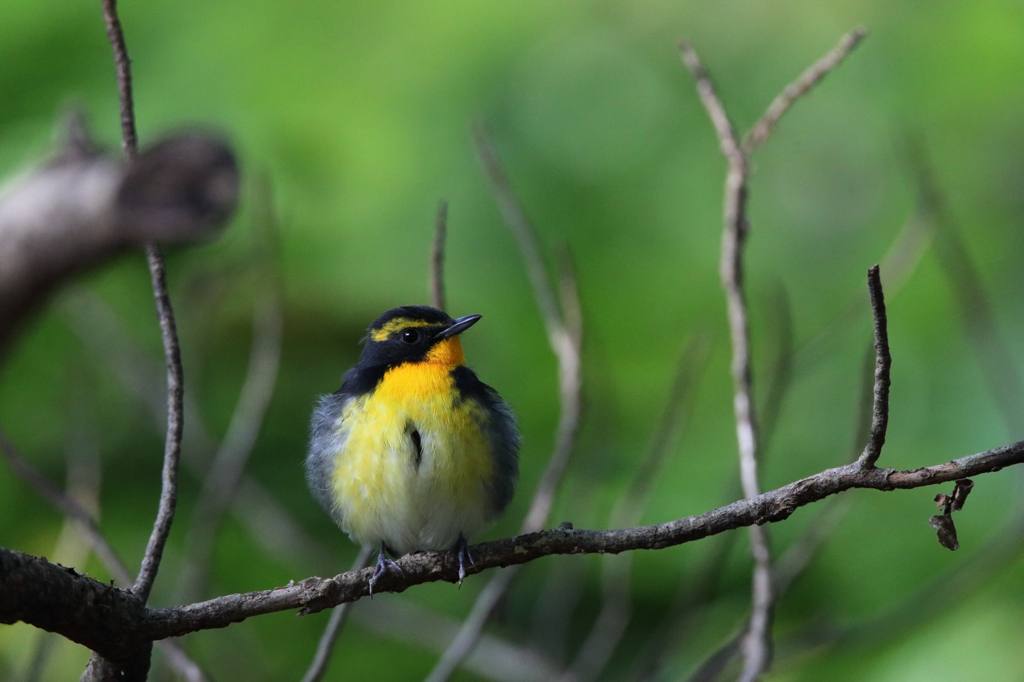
x=410, y=336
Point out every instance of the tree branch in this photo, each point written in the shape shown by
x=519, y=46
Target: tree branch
x=800, y=87
x=757, y=641
x=69, y=610
x=883, y=362
x=84, y=207
x=168, y=328
x=86, y=524
x=334, y=625
x=102, y=617
x=565, y=329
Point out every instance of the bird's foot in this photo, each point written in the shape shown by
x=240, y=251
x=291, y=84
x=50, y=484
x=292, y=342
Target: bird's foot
x=461, y=550
x=383, y=564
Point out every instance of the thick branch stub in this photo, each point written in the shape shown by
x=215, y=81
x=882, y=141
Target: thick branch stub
x=102, y=617
x=85, y=207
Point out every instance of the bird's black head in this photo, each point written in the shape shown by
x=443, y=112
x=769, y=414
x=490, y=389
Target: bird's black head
x=415, y=333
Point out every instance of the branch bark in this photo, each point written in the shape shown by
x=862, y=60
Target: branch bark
x=563, y=321
x=85, y=206
x=68, y=604
x=757, y=643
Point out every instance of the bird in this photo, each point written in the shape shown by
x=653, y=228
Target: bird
x=413, y=452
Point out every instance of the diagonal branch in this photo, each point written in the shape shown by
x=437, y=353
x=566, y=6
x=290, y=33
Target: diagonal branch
x=337, y=621
x=800, y=87
x=68, y=608
x=228, y=467
x=756, y=645
x=564, y=328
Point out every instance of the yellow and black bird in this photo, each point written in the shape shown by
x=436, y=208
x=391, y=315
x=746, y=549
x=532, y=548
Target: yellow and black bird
x=414, y=452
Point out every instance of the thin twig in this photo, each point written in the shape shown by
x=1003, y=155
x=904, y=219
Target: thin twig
x=564, y=328
x=175, y=425
x=616, y=609
x=228, y=466
x=800, y=87
x=337, y=621
x=757, y=642
x=172, y=352
x=727, y=139
x=437, y=296
x=123, y=64
x=493, y=658
x=883, y=362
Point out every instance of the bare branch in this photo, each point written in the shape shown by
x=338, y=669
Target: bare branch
x=616, y=609
x=123, y=64
x=84, y=207
x=800, y=87
x=225, y=473
x=564, y=328
x=883, y=361
x=175, y=424
x=102, y=617
x=437, y=257
x=757, y=642
x=727, y=138
x=756, y=645
x=337, y=621
x=18, y=598
x=168, y=329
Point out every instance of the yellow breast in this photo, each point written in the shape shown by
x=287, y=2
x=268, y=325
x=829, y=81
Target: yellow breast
x=386, y=489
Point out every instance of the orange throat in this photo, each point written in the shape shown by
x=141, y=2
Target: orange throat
x=428, y=377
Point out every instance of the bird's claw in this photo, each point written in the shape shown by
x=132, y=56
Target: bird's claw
x=383, y=564
x=461, y=550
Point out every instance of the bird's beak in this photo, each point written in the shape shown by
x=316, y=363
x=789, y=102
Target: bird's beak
x=460, y=325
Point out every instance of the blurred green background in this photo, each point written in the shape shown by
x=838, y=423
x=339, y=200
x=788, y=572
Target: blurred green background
x=359, y=114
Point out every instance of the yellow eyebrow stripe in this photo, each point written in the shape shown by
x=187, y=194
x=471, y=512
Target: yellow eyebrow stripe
x=396, y=324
